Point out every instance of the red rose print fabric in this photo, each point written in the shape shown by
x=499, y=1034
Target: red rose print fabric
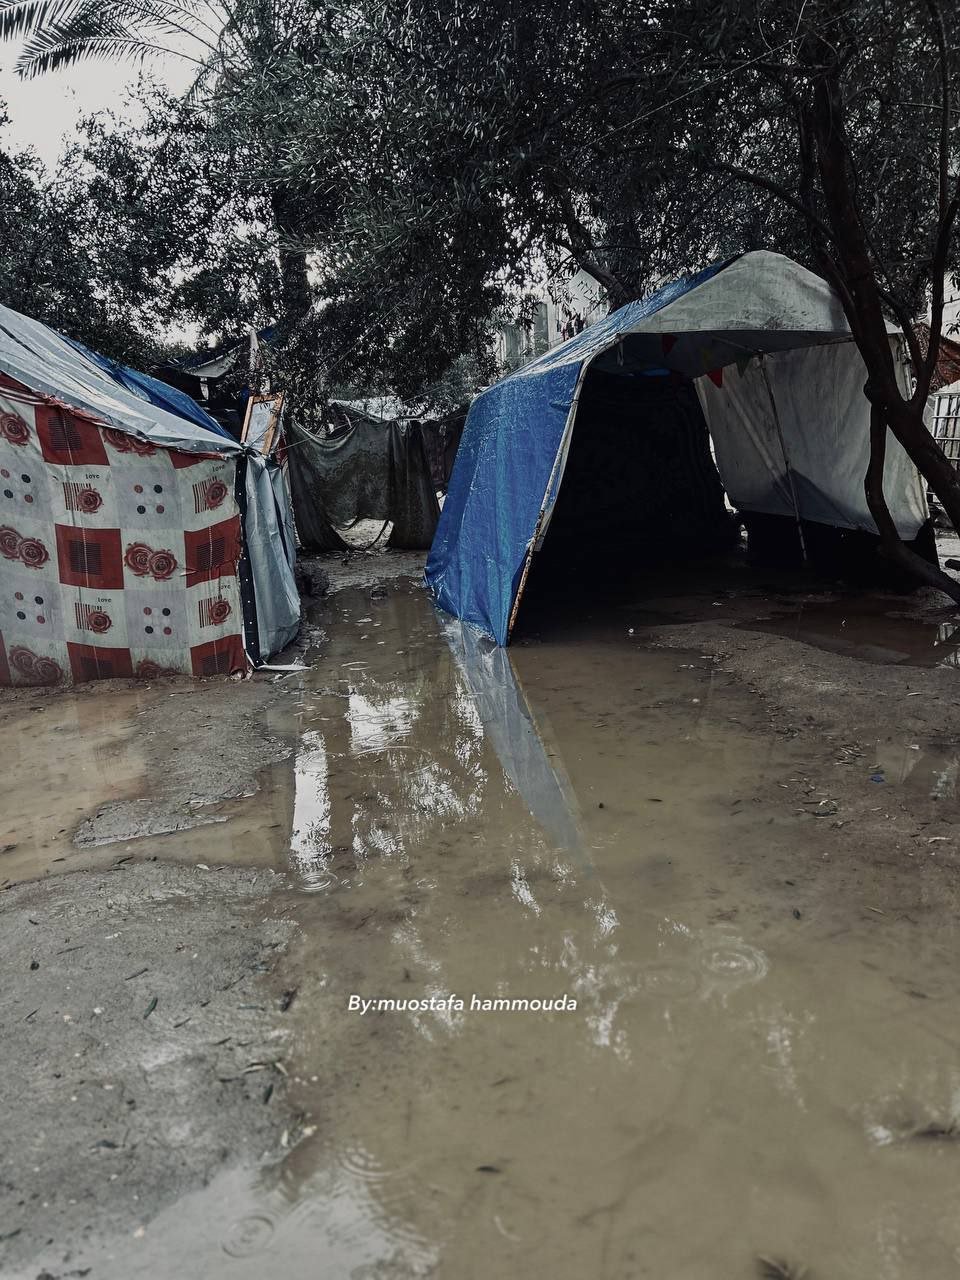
x=118, y=558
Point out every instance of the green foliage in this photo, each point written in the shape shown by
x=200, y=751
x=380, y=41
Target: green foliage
x=140, y=233
x=385, y=178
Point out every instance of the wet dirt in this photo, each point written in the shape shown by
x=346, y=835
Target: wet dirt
x=865, y=627
x=136, y=1058
x=688, y=840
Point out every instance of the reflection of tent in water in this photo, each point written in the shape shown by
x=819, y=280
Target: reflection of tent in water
x=509, y=724
x=368, y=469
x=757, y=351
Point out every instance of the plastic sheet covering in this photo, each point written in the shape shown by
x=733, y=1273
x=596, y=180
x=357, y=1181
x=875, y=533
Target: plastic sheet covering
x=441, y=439
x=825, y=421
x=275, y=591
x=41, y=359
x=509, y=725
x=367, y=471
x=500, y=480
x=280, y=480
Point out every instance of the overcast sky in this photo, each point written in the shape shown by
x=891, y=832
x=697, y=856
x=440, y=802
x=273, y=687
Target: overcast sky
x=47, y=107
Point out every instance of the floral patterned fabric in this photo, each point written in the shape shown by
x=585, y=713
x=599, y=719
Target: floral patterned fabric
x=118, y=557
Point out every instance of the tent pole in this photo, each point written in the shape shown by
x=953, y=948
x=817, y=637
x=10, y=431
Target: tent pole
x=786, y=459
x=556, y=474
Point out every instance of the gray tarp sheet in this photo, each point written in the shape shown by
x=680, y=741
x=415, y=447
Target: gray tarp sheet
x=275, y=591
x=45, y=362
x=367, y=471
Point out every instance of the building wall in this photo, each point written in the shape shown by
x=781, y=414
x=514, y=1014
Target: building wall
x=564, y=308
x=951, y=310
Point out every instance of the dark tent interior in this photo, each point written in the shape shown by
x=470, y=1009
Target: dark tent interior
x=641, y=496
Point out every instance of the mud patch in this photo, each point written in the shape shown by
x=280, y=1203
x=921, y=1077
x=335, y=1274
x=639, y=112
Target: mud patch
x=114, y=765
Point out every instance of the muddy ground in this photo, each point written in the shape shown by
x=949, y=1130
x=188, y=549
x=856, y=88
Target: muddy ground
x=722, y=814
x=139, y=1051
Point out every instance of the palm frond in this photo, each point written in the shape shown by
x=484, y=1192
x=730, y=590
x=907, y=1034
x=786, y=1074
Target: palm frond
x=20, y=17
x=107, y=49
x=61, y=32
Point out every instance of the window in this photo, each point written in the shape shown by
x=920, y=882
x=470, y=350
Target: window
x=946, y=426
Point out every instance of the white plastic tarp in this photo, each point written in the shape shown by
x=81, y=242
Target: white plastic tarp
x=42, y=360
x=825, y=422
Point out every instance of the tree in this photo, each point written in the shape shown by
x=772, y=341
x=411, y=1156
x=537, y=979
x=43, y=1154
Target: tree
x=141, y=232
x=636, y=137
x=52, y=262
x=228, y=41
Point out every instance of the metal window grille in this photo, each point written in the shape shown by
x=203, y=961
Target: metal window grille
x=946, y=427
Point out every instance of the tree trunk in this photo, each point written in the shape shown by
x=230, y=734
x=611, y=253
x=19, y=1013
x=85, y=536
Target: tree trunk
x=294, y=281
x=891, y=544
x=854, y=272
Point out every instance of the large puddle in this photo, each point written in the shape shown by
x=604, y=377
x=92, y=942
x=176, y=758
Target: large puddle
x=762, y=1062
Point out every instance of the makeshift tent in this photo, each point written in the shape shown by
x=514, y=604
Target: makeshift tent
x=133, y=541
x=203, y=375
x=779, y=381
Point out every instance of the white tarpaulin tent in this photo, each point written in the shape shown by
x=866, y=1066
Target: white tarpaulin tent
x=793, y=432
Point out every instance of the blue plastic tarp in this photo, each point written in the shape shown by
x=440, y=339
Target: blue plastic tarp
x=506, y=458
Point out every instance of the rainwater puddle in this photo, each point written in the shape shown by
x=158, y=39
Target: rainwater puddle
x=755, y=1039
x=865, y=627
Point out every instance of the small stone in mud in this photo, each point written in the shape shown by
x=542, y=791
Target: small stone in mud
x=311, y=579
x=938, y=1132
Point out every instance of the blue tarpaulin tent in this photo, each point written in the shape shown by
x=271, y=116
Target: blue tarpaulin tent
x=779, y=324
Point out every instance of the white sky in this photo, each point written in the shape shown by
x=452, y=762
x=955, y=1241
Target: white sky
x=47, y=107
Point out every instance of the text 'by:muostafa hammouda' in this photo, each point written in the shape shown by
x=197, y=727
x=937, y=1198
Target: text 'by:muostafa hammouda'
x=460, y=1004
